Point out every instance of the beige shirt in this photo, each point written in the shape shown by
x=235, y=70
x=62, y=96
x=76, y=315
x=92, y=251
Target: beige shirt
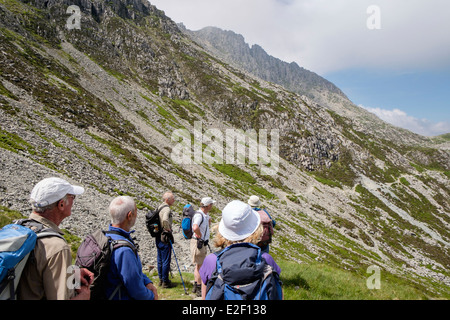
x=165, y=217
x=46, y=276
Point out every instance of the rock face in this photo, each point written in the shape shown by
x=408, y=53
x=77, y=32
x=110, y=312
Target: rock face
x=104, y=106
x=231, y=47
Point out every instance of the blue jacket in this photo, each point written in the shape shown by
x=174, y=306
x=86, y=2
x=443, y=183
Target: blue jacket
x=126, y=268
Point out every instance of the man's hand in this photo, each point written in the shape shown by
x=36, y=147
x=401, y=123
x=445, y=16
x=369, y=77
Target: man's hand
x=84, y=293
x=86, y=277
x=153, y=289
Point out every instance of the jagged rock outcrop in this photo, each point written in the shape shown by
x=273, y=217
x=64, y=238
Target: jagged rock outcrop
x=232, y=48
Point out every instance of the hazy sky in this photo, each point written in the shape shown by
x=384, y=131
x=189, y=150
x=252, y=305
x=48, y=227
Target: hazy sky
x=389, y=56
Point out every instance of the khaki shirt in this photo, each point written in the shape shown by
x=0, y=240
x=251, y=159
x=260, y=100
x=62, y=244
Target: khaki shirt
x=165, y=216
x=46, y=276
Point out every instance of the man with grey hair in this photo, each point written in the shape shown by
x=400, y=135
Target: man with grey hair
x=125, y=272
x=163, y=245
x=45, y=276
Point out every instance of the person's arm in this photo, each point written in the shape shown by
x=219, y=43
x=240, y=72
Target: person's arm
x=55, y=276
x=271, y=262
x=131, y=275
x=150, y=286
x=165, y=219
x=196, y=222
x=196, y=230
x=206, y=270
x=86, y=279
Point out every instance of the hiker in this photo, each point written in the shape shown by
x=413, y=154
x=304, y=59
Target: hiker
x=126, y=266
x=163, y=245
x=238, y=233
x=266, y=220
x=45, y=276
x=200, y=227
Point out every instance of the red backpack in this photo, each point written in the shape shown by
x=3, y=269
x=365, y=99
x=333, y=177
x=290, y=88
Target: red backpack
x=268, y=224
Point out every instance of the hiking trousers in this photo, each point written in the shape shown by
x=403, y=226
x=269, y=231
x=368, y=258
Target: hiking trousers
x=164, y=256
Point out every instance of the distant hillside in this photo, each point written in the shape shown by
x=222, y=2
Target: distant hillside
x=231, y=47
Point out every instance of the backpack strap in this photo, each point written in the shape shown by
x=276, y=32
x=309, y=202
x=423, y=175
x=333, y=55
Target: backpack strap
x=162, y=207
x=117, y=289
x=39, y=228
x=9, y=281
x=116, y=244
x=201, y=214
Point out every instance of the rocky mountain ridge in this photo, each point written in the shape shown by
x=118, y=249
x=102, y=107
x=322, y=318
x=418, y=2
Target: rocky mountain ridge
x=99, y=106
x=233, y=49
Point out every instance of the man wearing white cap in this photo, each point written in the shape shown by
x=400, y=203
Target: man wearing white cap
x=52, y=200
x=200, y=227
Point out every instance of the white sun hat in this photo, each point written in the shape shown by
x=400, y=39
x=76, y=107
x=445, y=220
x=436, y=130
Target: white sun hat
x=239, y=221
x=254, y=201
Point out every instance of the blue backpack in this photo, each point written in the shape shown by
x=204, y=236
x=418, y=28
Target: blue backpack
x=186, y=222
x=242, y=274
x=17, y=242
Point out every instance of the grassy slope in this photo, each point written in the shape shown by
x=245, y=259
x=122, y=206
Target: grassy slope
x=305, y=281
x=320, y=282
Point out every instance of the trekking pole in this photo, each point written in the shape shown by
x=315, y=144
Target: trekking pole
x=175, y=256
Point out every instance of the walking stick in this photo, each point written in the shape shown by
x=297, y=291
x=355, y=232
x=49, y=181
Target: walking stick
x=175, y=256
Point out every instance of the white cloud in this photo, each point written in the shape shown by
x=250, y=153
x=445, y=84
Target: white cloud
x=401, y=119
x=330, y=35
x=325, y=36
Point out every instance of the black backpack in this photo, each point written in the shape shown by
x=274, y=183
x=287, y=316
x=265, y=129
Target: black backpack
x=94, y=254
x=153, y=223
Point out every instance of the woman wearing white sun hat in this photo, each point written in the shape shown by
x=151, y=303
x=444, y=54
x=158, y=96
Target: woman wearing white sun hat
x=238, y=233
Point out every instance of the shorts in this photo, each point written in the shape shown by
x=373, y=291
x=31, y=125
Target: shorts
x=198, y=255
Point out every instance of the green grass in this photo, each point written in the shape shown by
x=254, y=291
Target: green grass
x=234, y=172
x=14, y=143
x=301, y=281
x=315, y=281
x=7, y=216
x=177, y=292
x=324, y=282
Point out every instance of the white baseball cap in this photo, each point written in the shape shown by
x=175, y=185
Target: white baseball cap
x=51, y=190
x=239, y=221
x=207, y=201
x=254, y=201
